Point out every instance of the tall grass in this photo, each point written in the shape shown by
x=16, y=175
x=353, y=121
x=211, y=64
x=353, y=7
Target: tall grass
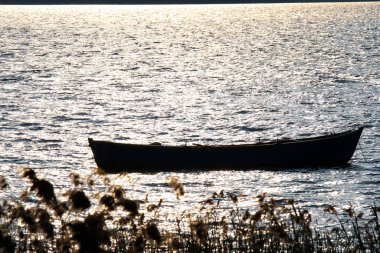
x=41, y=221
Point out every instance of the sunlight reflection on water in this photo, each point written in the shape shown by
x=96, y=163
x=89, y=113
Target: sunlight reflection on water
x=209, y=74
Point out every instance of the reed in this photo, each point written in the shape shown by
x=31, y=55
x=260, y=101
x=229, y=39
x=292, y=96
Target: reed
x=75, y=221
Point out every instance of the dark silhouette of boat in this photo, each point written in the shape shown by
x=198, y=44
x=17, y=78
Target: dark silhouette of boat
x=323, y=151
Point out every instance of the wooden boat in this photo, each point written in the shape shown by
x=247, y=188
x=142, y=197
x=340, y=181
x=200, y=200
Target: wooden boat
x=324, y=151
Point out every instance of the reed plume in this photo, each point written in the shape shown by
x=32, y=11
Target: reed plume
x=110, y=222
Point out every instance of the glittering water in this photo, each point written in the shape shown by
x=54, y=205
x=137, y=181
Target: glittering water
x=209, y=74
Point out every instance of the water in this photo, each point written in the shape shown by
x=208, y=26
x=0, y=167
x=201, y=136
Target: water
x=208, y=74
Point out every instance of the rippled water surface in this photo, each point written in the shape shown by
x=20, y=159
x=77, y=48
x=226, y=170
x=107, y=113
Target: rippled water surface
x=209, y=74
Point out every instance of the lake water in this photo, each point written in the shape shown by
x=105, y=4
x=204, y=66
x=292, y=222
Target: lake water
x=207, y=74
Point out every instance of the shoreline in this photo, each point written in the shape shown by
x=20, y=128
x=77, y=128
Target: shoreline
x=163, y=2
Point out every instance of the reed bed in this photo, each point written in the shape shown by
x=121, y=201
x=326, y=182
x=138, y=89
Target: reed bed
x=41, y=221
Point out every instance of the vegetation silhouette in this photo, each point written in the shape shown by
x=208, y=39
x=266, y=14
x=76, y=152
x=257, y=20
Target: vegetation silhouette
x=107, y=221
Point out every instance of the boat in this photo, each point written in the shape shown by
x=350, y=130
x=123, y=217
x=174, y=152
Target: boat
x=324, y=151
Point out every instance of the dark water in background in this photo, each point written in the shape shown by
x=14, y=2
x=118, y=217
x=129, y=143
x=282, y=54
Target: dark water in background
x=209, y=74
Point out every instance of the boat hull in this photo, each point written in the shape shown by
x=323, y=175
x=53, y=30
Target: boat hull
x=324, y=151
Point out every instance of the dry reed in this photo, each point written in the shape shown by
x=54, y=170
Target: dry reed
x=71, y=223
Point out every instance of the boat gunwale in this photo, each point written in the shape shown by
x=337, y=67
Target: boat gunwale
x=200, y=146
